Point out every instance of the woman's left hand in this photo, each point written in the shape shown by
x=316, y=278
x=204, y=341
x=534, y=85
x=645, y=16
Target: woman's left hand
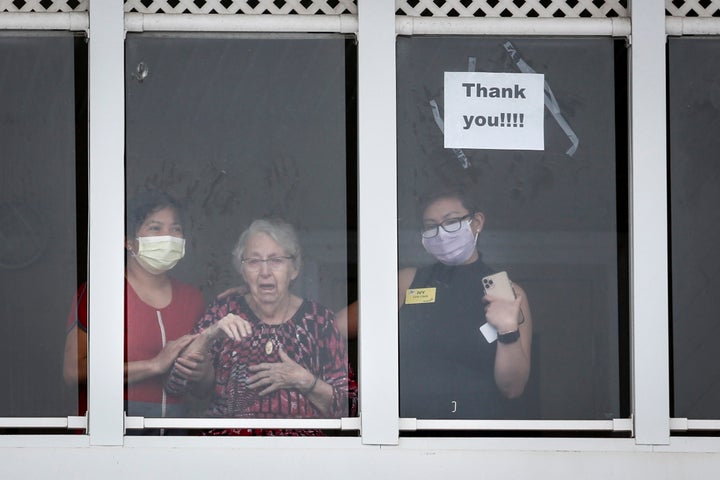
x=286, y=373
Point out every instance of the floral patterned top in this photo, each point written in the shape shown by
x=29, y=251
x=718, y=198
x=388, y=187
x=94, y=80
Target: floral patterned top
x=309, y=337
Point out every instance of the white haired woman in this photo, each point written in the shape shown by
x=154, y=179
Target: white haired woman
x=267, y=353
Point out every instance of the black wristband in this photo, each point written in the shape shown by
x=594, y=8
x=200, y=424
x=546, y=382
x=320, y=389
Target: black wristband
x=509, y=337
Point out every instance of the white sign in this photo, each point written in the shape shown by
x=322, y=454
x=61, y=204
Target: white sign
x=503, y=111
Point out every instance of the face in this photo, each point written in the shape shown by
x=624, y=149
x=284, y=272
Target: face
x=445, y=209
x=159, y=223
x=269, y=284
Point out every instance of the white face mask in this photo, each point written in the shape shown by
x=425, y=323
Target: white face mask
x=453, y=248
x=159, y=254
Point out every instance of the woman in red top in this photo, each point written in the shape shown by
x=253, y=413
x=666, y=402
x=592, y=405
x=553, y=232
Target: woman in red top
x=159, y=311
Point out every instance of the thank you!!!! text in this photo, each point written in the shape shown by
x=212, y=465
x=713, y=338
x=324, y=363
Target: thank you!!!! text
x=503, y=111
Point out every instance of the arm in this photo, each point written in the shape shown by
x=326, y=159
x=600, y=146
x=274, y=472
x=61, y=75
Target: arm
x=193, y=370
x=75, y=357
x=288, y=374
x=158, y=365
x=405, y=279
x=326, y=388
x=346, y=321
x=512, y=360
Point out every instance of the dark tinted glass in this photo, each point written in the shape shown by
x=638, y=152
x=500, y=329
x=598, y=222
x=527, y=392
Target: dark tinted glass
x=694, y=108
x=239, y=128
x=554, y=219
x=43, y=181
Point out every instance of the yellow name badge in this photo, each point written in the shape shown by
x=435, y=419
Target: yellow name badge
x=420, y=295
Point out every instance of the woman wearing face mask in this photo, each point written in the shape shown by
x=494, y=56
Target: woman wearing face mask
x=448, y=368
x=159, y=311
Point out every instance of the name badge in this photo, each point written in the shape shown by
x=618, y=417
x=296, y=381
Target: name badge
x=420, y=295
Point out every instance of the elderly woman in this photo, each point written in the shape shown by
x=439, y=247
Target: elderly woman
x=267, y=353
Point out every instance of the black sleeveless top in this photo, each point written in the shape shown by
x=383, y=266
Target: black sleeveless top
x=446, y=364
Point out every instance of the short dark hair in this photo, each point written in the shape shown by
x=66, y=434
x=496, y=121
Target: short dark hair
x=468, y=198
x=141, y=206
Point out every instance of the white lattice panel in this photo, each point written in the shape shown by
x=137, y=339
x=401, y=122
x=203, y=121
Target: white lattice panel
x=43, y=5
x=692, y=8
x=512, y=8
x=283, y=7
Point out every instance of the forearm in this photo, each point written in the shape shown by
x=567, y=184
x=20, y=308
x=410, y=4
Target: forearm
x=512, y=368
x=141, y=370
x=193, y=371
x=319, y=393
x=75, y=358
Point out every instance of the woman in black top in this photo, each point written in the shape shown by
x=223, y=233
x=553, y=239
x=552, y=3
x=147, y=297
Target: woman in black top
x=449, y=368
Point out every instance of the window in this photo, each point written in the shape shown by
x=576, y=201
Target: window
x=42, y=202
x=693, y=106
x=555, y=219
x=240, y=128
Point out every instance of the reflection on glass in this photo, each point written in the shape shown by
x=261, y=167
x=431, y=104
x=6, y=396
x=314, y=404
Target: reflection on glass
x=241, y=128
x=694, y=106
x=39, y=226
x=551, y=217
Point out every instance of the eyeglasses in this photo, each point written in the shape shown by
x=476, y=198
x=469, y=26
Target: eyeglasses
x=275, y=263
x=450, y=225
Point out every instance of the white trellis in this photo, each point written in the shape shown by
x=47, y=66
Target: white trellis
x=414, y=8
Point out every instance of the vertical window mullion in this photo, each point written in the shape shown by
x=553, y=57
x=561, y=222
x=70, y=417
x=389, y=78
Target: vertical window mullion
x=106, y=224
x=649, y=225
x=377, y=223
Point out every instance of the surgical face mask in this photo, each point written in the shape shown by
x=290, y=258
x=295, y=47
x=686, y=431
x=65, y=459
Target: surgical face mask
x=159, y=254
x=454, y=248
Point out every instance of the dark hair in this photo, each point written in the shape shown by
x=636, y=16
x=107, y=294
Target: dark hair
x=140, y=207
x=467, y=198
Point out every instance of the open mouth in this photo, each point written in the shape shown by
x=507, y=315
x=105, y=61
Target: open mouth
x=266, y=287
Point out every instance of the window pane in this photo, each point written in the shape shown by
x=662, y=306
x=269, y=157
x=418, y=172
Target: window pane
x=694, y=104
x=39, y=228
x=240, y=128
x=553, y=218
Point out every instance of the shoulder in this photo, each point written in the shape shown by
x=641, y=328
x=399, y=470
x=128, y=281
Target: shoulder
x=406, y=277
x=186, y=293
x=312, y=311
x=182, y=287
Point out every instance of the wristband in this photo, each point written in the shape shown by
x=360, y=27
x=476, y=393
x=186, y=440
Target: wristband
x=312, y=387
x=509, y=337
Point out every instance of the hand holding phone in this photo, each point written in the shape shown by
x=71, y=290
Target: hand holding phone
x=499, y=286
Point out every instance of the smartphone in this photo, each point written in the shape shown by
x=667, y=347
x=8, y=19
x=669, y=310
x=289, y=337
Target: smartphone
x=499, y=285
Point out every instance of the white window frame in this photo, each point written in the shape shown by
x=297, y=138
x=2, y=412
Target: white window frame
x=379, y=448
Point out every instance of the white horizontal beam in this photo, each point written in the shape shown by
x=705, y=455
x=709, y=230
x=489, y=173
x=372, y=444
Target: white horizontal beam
x=684, y=425
x=616, y=425
x=36, y=422
x=615, y=26
x=193, y=423
x=692, y=25
x=162, y=22
x=72, y=21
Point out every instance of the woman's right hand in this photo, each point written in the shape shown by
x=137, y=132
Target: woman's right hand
x=165, y=359
x=239, y=290
x=233, y=326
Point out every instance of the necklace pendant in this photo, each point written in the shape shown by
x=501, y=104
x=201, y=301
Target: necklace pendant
x=268, y=347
